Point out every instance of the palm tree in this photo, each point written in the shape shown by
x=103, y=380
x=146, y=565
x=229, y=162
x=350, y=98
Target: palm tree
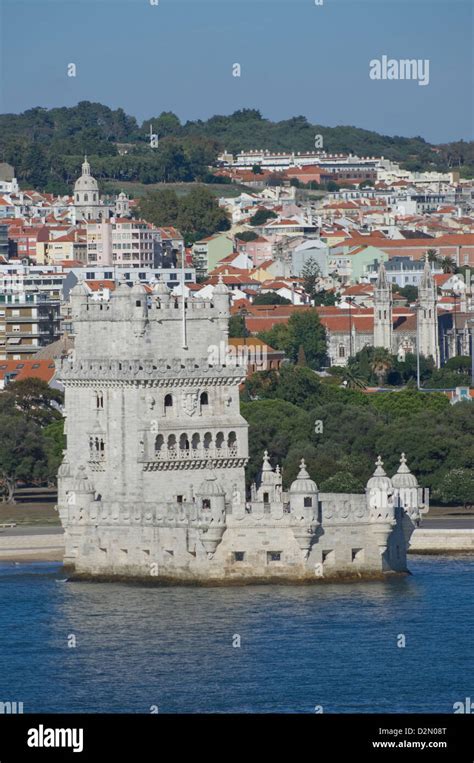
x=352, y=381
x=433, y=256
x=382, y=362
x=448, y=265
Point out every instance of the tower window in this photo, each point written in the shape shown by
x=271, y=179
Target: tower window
x=266, y=498
x=273, y=556
x=168, y=401
x=206, y=503
x=308, y=501
x=204, y=399
x=99, y=400
x=239, y=556
x=86, y=197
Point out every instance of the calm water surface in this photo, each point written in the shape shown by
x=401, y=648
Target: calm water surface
x=330, y=645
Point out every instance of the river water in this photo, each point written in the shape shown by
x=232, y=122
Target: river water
x=239, y=649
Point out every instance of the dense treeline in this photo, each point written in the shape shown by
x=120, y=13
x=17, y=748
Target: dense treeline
x=46, y=146
x=340, y=432
x=31, y=435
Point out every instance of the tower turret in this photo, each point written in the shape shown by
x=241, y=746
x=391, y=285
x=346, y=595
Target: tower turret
x=304, y=509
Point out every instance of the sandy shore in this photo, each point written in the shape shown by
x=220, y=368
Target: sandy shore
x=31, y=547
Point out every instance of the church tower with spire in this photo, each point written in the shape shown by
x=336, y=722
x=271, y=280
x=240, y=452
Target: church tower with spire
x=428, y=316
x=383, y=310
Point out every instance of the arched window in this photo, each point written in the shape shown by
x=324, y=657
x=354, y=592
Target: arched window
x=231, y=440
x=195, y=441
x=77, y=197
x=219, y=440
x=207, y=440
x=204, y=399
x=159, y=442
x=94, y=197
x=168, y=403
x=342, y=351
x=172, y=442
x=86, y=197
x=99, y=399
x=184, y=442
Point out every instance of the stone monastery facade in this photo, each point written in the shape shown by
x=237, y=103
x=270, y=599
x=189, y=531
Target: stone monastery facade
x=152, y=484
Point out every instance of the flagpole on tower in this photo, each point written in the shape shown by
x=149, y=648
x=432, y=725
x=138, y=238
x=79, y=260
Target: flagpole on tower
x=183, y=304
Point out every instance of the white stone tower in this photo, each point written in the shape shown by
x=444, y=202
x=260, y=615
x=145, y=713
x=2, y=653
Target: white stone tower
x=152, y=483
x=428, y=316
x=86, y=196
x=383, y=310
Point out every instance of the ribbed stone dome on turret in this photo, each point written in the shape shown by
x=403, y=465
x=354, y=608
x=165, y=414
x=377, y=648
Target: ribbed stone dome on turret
x=79, y=290
x=220, y=287
x=210, y=487
x=303, y=484
x=379, y=480
x=161, y=289
x=82, y=483
x=404, y=478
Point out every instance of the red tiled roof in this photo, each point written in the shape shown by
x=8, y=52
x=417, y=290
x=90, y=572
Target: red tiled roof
x=23, y=369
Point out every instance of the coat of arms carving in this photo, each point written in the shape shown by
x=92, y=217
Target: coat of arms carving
x=190, y=402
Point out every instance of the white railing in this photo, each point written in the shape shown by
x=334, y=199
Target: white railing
x=185, y=454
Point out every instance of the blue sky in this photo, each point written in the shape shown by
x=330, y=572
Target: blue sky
x=295, y=57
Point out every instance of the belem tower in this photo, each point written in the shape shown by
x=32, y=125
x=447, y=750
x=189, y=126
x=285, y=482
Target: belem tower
x=152, y=484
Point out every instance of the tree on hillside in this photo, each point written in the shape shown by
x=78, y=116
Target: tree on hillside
x=409, y=292
x=35, y=399
x=246, y=235
x=271, y=298
x=22, y=454
x=310, y=274
x=303, y=329
x=54, y=445
x=325, y=298
x=200, y=215
x=342, y=482
x=457, y=486
x=160, y=208
x=382, y=362
x=261, y=216
x=237, y=327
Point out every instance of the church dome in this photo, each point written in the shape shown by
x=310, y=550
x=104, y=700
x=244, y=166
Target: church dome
x=379, y=480
x=404, y=478
x=303, y=484
x=86, y=182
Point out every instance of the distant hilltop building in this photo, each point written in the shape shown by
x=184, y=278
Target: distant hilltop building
x=152, y=485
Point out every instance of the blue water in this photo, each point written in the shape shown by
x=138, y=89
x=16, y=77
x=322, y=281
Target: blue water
x=301, y=646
